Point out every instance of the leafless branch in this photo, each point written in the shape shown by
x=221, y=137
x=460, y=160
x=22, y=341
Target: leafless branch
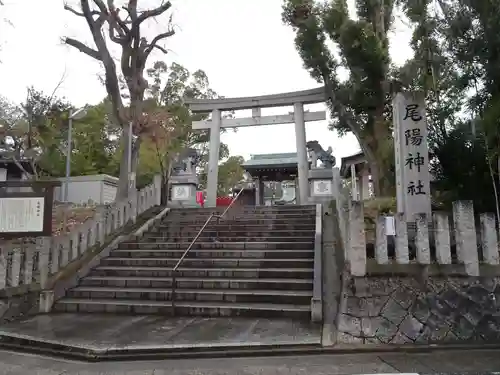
x=164, y=50
x=153, y=12
x=83, y=48
x=77, y=13
x=102, y=7
x=115, y=14
x=158, y=38
x=61, y=80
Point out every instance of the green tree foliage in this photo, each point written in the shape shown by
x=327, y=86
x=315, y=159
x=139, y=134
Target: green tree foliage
x=464, y=177
x=37, y=131
x=230, y=174
x=32, y=131
x=169, y=87
x=360, y=104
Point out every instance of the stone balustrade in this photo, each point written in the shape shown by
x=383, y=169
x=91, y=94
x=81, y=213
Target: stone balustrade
x=455, y=244
x=28, y=265
x=452, y=242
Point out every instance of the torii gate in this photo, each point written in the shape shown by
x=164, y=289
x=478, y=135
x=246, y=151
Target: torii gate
x=299, y=117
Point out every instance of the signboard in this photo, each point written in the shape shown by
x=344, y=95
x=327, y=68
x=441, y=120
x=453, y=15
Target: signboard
x=411, y=155
x=322, y=187
x=21, y=214
x=180, y=192
x=390, y=226
x=26, y=208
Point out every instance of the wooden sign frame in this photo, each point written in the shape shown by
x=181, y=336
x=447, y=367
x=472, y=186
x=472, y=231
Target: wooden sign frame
x=40, y=189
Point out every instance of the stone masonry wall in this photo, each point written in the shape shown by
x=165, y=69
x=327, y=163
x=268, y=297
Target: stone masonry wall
x=383, y=310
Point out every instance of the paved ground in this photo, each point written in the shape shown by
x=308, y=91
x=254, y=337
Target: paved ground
x=101, y=332
x=465, y=362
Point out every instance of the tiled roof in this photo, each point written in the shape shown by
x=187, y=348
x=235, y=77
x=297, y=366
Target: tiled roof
x=272, y=159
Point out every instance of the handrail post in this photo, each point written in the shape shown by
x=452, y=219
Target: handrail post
x=174, y=282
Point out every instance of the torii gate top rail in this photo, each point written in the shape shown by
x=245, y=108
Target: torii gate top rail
x=312, y=96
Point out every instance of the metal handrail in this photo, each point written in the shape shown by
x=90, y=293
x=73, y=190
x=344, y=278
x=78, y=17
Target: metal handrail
x=174, y=270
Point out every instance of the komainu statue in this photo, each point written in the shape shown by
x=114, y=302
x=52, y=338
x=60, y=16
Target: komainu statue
x=185, y=162
x=317, y=153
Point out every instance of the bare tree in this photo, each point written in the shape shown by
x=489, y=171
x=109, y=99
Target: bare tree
x=122, y=26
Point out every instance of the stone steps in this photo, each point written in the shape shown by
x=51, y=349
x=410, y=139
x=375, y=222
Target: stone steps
x=209, y=210
x=190, y=308
x=300, y=297
x=211, y=234
x=234, y=226
x=198, y=282
x=205, y=271
x=243, y=292
x=259, y=265
x=218, y=253
x=241, y=219
x=234, y=233
x=238, y=213
x=255, y=245
x=204, y=262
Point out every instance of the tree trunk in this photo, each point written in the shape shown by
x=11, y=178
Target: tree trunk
x=165, y=190
x=379, y=157
x=123, y=189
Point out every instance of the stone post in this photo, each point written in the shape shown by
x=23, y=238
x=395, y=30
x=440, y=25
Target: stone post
x=257, y=191
x=262, y=197
x=43, y=249
x=365, y=183
x=354, y=183
x=43, y=245
x=465, y=236
x=303, y=164
x=213, y=159
x=157, y=185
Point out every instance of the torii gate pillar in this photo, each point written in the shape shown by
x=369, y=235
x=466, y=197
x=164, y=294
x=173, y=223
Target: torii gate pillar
x=213, y=159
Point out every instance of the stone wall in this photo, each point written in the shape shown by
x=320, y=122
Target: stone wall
x=384, y=310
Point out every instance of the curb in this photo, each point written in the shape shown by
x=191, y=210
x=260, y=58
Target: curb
x=88, y=354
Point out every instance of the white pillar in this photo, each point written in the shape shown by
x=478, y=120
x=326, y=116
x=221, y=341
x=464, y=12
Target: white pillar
x=261, y=196
x=303, y=164
x=354, y=183
x=257, y=191
x=365, y=183
x=3, y=174
x=213, y=159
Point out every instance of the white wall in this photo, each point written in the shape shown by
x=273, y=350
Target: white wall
x=99, y=189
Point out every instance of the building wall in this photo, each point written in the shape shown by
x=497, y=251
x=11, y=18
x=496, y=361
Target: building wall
x=80, y=192
x=82, y=189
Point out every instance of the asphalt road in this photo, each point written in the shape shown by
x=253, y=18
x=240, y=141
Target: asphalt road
x=447, y=362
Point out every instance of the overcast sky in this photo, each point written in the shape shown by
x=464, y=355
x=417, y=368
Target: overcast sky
x=242, y=45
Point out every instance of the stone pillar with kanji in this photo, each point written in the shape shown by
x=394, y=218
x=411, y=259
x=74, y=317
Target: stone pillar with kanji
x=411, y=155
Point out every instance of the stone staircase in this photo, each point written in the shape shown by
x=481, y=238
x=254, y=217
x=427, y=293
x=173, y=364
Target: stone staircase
x=258, y=261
